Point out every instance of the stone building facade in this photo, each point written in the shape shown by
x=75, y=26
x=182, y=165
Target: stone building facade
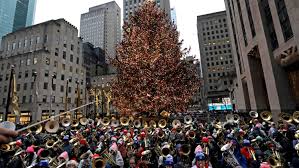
x=53, y=51
x=265, y=37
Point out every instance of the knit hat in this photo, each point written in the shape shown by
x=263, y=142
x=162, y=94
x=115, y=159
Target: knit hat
x=200, y=156
x=265, y=165
x=83, y=142
x=198, y=149
x=30, y=149
x=169, y=160
x=246, y=142
x=44, y=163
x=64, y=155
x=205, y=140
x=72, y=163
x=66, y=137
x=113, y=147
x=40, y=151
x=19, y=143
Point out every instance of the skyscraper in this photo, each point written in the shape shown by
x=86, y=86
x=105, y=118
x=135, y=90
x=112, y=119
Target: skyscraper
x=173, y=15
x=130, y=6
x=265, y=43
x=217, y=60
x=101, y=26
x=15, y=14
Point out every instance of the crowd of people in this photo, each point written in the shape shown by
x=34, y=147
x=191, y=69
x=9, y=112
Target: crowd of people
x=172, y=143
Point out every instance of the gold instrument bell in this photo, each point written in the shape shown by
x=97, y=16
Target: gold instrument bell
x=37, y=129
x=296, y=116
x=105, y=121
x=188, y=119
x=253, y=114
x=124, y=121
x=286, y=117
x=186, y=149
x=83, y=121
x=266, y=115
x=137, y=123
x=176, y=123
x=165, y=114
x=52, y=126
x=75, y=123
x=66, y=122
x=162, y=123
x=114, y=123
x=152, y=124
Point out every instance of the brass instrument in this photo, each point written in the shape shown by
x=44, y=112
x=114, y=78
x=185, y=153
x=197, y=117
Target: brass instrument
x=124, y=121
x=236, y=118
x=253, y=114
x=266, y=115
x=7, y=147
x=161, y=134
x=176, y=123
x=137, y=123
x=296, y=116
x=191, y=134
x=165, y=114
x=188, y=119
x=229, y=118
x=98, y=162
x=286, y=117
x=162, y=123
x=252, y=153
x=52, y=126
x=165, y=150
x=275, y=160
x=37, y=129
x=228, y=156
x=90, y=121
x=75, y=123
x=52, y=143
x=114, y=123
x=66, y=122
x=297, y=148
x=105, y=121
x=186, y=149
x=83, y=121
x=152, y=124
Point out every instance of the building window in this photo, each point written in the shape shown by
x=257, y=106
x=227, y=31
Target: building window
x=71, y=69
x=63, y=66
x=13, y=46
x=32, y=85
x=26, y=73
x=71, y=57
x=24, y=99
x=25, y=86
x=55, y=63
x=30, y=99
x=7, y=77
x=45, y=85
x=18, y=87
x=20, y=75
x=64, y=55
x=28, y=62
x=242, y=23
x=44, y=98
x=284, y=19
x=77, y=61
x=64, y=45
x=72, y=47
x=70, y=89
x=4, y=101
x=61, y=88
x=269, y=24
x=62, y=77
x=5, y=88
x=56, y=51
x=46, y=73
x=34, y=61
x=37, y=39
x=47, y=61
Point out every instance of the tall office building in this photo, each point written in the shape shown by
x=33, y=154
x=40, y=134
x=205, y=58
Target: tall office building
x=217, y=60
x=101, y=26
x=48, y=64
x=130, y=6
x=265, y=37
x=173, y=15
x=15, y=14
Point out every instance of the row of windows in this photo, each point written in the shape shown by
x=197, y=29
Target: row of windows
x=220, y=63
x=24, y=43
x=215, y=32
x=45, y=99
x=217, y=52
x=219, y=58
x=217, y=47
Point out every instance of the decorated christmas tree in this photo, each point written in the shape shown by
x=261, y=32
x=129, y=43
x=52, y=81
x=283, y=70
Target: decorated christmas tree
x=152, y=74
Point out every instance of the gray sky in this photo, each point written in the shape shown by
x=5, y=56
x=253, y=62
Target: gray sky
x=186, y=11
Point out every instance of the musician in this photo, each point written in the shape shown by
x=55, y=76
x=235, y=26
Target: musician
x=116, y=155
x=6, y=135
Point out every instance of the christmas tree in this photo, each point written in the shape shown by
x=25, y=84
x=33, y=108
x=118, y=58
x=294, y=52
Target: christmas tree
x=152, y=76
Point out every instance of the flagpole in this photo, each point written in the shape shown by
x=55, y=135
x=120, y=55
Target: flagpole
x=8, y=95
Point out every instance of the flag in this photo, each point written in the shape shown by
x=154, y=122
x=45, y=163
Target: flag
x=14, y=100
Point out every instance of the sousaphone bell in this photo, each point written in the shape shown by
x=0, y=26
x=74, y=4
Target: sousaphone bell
x=124, y=121
x=83, y=121
x=266, y=115
x=176, y=123
x=162, y=123
x=296, y=116
x=188, y=119
x=52, y=126
x=253, y=114
x=66, y=122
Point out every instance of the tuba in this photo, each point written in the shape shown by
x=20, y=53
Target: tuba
x=286, y=117
x=52, y=126
x=105, y=121
x=186, y=149
x=75, y=123
x=162, y=123
x=188, y=119
x=37, y=129
x=165, y=150
x=253, y=114
x=83, y=121
x=137, y=123
x=176, y=123
x=229, y=157
x=266, y=115
x=296, y=116
x=124, y=121
x=275, y=160
x=98, y=162
x=66, y=122
x=165, y=114
x=152, y=124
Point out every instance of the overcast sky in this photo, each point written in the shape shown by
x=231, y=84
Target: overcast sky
x=186, y=11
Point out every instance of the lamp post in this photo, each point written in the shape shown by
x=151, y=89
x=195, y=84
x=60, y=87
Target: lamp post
x=51, y=96
x=8, y=101
x=34, y=75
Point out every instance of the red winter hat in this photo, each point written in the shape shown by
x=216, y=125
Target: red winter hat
x=83, y=142
x=142, y=134
x=125, y=131
x=95, y=156
x=205, y=140
x=19, y=143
